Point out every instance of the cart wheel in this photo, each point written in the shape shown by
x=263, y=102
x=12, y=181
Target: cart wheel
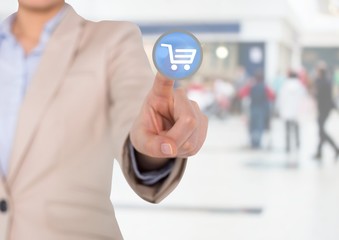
x=187, y=67
x=174, y=67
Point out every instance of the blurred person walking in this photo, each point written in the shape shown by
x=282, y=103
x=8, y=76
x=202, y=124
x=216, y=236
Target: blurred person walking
x=325, y=103
x=289, y=100
x=259, y=112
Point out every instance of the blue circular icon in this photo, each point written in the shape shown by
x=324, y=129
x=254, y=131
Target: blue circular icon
x=177, y=54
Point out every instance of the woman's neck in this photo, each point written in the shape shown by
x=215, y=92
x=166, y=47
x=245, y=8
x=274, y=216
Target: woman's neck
x=29, y=23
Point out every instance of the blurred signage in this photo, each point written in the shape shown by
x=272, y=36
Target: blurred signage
x=231, y=28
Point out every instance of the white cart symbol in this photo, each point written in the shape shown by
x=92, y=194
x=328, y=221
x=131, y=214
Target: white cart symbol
x=186, y=57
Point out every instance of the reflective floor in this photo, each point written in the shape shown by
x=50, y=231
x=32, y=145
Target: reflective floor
x=234, y=193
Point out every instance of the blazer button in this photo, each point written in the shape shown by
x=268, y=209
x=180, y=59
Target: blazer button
x=3, y=206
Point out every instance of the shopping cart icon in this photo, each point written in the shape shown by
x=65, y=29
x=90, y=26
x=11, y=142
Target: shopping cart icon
x=177, y=54
x=180, y=56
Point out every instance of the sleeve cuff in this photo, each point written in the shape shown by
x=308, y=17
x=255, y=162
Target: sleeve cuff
x=151, y=177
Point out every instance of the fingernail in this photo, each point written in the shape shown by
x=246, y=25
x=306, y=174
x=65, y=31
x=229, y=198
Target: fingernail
x=166, y=149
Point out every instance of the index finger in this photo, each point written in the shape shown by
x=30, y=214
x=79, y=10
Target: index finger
x=163, y=86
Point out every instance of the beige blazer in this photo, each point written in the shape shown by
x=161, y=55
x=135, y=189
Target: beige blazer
x=73, y=122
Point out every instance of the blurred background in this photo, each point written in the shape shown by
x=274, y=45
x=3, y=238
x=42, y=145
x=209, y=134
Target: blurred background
x=269, y=83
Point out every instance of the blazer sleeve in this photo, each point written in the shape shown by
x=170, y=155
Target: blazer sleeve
x=130, y=79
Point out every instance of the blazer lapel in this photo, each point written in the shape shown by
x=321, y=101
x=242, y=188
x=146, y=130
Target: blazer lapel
x=56, y=58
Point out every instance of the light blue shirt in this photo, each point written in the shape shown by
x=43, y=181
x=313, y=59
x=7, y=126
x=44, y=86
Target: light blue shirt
x=16, y=71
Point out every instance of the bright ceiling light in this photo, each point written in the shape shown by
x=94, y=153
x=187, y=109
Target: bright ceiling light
x=222, y=52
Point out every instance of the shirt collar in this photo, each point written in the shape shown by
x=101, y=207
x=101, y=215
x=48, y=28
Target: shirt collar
x=6, y=25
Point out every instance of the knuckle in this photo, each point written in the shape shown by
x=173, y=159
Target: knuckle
x=191, y=122
x=195, y=104
x=189, y=147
